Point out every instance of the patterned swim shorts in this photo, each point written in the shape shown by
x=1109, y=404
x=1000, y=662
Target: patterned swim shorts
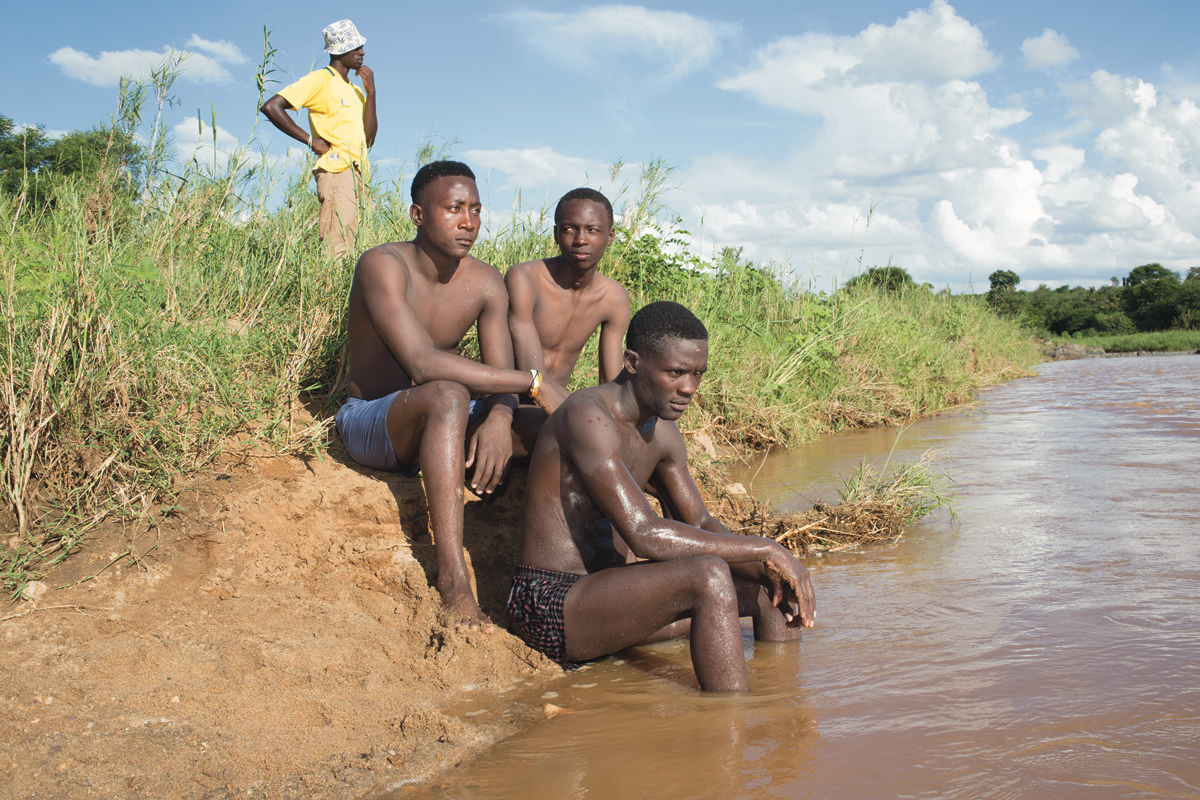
x=535, y=611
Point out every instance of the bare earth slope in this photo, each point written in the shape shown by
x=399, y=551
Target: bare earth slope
x=281, y=640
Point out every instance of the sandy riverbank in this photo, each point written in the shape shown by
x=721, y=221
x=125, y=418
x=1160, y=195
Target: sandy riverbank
x=281, y=640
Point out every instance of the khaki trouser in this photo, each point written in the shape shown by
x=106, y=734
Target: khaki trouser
x=338, y=193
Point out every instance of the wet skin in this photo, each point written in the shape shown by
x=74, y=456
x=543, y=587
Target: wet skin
x=556, y=304
x=410, y=305
x=591, y=460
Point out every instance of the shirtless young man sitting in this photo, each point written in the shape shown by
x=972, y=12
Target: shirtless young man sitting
x=556, y=304
x=573, y=597
x=410, y=406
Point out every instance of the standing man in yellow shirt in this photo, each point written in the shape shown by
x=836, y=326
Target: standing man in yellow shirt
x=342, y=123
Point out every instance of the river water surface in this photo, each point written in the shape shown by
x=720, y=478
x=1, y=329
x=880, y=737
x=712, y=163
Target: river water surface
x=1045, y=645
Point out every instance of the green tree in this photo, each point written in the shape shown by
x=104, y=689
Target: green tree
x=1004, y=280
x=1149, y=272
x=1188, y=300
x=1152, y=303
x=88, y=152
x=1003, y=297
x=24, y=155
x=1114, y=323
x=1070, y=317
x=31, y=163
x=1193, y=275
x=891, y=278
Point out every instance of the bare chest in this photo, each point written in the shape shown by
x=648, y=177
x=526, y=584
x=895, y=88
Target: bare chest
x=641, y=454
x=566, y=320
x=445, y=311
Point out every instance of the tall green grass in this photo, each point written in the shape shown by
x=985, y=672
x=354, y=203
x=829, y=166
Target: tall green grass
x=144, y=331
x=787, y=364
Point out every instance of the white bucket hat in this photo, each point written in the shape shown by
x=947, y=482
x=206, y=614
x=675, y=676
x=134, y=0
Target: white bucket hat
x=342, y=37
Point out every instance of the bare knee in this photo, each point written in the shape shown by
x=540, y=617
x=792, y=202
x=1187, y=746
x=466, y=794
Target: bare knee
x=712, y=581
x=447, y=400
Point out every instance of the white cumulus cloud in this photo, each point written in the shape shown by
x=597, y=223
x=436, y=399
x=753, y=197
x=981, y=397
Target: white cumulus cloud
x=592, y=35
x=1051, y=49
x=908, y=131
x=203, y=63
x=892, y=98
x=806, y=73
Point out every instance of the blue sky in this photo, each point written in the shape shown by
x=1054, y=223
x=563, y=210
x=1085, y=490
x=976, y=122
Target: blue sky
x=1057, y=139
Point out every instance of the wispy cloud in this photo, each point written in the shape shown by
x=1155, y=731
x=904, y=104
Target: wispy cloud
x=220, y=50
x=203, y=63
x=535, y=166
x=681, y=43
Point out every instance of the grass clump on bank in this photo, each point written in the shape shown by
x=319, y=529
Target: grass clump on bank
x=149, y=327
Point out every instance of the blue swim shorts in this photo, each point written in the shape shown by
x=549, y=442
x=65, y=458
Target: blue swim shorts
x=362, y=425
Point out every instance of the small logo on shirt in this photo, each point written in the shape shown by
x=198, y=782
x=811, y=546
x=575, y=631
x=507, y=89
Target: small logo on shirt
x=345, y=102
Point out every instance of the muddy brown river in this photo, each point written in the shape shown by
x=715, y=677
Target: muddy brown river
x=1045, y=645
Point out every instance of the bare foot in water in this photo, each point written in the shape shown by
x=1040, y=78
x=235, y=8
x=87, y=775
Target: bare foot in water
x=464, y=611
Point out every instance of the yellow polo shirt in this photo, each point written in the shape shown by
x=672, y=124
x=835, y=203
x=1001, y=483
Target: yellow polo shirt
x=335, y=113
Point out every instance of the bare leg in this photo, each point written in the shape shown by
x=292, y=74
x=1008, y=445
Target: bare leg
x=428, y=425
x=753, y=601
x=527, y=423
x=615, y=608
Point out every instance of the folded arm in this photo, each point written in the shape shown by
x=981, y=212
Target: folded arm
x=490, y=447
x=526, y=343
x=612, y=334
x=595, y=447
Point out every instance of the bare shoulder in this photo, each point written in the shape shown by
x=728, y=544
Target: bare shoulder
x=610, y=285
x=615, y=295
x=670, y=441
x=480, y=270
x=384, y=257
x=527, y=273
x=582, y=416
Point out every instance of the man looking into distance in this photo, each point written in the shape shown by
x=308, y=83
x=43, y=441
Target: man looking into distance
x=557, y=303
x=409, y=407
x=573, y=597
x=342, y=123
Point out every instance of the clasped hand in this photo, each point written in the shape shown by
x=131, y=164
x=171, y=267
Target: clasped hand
x=790, y=589
x=489, y=450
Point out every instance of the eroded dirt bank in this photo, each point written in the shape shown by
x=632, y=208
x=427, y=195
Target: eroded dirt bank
x=281, y=640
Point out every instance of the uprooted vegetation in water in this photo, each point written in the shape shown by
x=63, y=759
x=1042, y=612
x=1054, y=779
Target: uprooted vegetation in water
x=876, y=506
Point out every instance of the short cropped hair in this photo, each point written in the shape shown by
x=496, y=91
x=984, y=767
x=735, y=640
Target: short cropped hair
x=583, y=193
x=434, y=170
x=659, y=322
